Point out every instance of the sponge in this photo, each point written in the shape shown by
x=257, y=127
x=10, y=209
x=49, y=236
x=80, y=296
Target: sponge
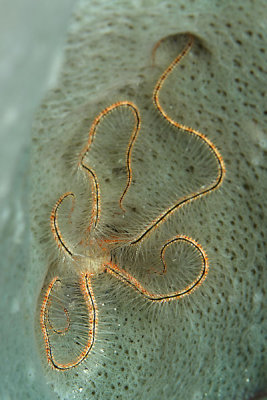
x=210, y=343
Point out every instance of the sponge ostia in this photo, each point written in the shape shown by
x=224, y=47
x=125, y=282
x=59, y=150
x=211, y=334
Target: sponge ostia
x=210, y=343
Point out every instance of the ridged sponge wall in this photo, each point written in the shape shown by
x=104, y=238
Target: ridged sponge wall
x=148, y=204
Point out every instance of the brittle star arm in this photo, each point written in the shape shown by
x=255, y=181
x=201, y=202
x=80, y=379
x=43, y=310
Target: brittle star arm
x=87, y=291
x=208, y=142
x=220, y=163
x=50, y=324
x=133, y=138
x=95, y=187
x=54, y=223
x=136, y=285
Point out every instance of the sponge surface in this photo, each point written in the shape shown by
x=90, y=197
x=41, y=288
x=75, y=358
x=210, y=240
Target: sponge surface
x=210, y=344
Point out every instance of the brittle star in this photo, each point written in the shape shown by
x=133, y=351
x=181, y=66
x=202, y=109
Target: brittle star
x=105, y=261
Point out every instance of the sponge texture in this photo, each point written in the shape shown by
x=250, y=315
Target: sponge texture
x=210, y=344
